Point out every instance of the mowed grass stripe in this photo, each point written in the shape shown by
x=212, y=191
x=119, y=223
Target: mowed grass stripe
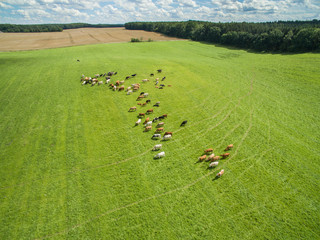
x=81, y=157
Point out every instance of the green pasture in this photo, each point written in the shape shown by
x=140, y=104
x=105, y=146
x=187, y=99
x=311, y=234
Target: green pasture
x=73, y=166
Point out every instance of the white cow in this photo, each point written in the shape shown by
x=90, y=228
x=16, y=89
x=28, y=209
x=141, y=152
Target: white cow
x=219, y=174
x=100, y=82
x=213, y=164
x=128, y=88
x=114, y=88
x=84, y=82
x=107, y=81
x=145, y=80
x=157, y=147
x=160, y=155
x=211, y=157
x=129, y=92
x=160, y=124
x=138, y=122
x=146, y=94
x=148, y=123
x=166, y=137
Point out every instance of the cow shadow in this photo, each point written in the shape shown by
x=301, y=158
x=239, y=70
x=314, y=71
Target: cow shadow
x=215, y=178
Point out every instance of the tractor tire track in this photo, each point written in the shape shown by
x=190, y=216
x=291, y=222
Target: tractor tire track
x=65, y=231
x=126, y=160
x=80, y=170
x=71, y=38
x=90, y=35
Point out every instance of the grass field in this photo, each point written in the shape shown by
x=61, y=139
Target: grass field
x=73, y=166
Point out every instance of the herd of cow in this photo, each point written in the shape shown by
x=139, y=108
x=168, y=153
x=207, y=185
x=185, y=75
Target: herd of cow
x=118, y=86
x=214, y=159
x=148, y=122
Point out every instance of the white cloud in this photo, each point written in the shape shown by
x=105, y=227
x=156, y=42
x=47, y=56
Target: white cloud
x=164, y=3
x=129, y=6
x=121, y=11
x=145, y=5
x=69, y=12
x=20, y=2
x=55, y=1
x=5, y=6
x=177, y=14
x=203, y=9
x=30, y=14
x=262, y=6
x=83, y=4
x=187, y=3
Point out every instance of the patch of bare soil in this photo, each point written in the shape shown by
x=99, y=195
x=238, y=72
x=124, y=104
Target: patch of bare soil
x=74, y=37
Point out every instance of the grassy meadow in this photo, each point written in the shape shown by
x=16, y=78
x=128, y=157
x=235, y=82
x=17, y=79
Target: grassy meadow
x=73, y=166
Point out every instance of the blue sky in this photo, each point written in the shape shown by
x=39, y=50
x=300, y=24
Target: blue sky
x=122, y=11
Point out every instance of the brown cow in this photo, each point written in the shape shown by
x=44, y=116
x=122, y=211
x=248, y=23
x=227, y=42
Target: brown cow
x=139, y=98
x=147, y=120
x=229, y=147
x=121, y=88
x=210, y=157
x=133, y=108
x=169, y=85
x=157, y=87
x=142, y=114
x=208, y=150
x=203, y=157
x=215, y=158
x=225, y=155
x=148, y=128
x=139, y=103
x=168, y=133
x=160, y=124
x=165, y=115
x=149, y=111
x=117, y=83
x=143, y=104
x=111, y=85
x=160, y=130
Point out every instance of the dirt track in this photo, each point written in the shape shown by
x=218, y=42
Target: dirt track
x=73, y=37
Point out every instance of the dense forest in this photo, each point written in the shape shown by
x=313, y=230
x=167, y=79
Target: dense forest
x=284, y=36
x=51, y=27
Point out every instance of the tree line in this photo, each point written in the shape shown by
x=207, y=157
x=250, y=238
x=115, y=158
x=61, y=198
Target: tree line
x=51, y=27
x=280, y=36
